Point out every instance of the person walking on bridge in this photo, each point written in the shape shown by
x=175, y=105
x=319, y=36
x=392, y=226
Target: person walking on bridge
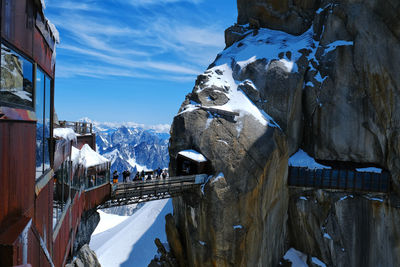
x=125, y=175
x=115, y=177
x=137, y=178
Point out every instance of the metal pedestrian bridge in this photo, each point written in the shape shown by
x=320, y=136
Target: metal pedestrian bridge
x=142, y=191
x=340, y=179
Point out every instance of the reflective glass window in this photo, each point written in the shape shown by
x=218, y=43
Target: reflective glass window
x=16, y=87
x=47, y=111
x=39, y=110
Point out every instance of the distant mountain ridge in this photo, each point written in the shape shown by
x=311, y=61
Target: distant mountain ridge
x=131, y=146
x=100, y=126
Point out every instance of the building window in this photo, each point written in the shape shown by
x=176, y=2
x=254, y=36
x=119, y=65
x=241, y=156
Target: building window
x=42, y=109
x=16, y=87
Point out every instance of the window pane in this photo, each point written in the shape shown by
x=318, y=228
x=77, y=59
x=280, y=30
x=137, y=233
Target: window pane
x=47, y=100
x=16, y=79
x=39, y=109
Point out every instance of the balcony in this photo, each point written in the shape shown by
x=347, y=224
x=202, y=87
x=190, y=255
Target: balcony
x=80, y=128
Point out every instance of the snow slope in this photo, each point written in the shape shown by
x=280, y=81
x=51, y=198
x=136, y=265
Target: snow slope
x=131, y=242
x=108, y=221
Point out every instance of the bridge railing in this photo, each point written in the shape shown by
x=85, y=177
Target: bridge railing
x=198, y=179
x=339, y=179
x=141, y=191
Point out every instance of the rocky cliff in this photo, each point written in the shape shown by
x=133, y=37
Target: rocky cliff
x=316, y=75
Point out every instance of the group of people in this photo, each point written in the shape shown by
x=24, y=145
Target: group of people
x=141, y=176
x=125, y=176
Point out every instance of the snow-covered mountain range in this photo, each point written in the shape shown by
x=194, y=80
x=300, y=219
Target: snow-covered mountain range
x=131, y=146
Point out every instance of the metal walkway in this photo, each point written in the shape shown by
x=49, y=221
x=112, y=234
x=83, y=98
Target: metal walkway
x=142, y=191
x=339, y=179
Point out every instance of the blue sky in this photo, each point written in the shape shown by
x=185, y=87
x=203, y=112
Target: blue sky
x=133, y=60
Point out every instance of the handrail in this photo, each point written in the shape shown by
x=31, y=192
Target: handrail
x=173, y=180
x=141, y=191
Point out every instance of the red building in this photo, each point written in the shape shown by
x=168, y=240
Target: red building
x=42, y=197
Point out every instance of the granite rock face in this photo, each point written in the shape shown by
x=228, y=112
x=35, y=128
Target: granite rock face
x=85, y=258
x=89, y=221
x=293, y=17
x=351, y=86
x=345, y=229
x=316, y=75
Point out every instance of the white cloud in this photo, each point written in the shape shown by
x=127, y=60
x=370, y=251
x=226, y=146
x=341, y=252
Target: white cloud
x=132, y=64
x=156, y=45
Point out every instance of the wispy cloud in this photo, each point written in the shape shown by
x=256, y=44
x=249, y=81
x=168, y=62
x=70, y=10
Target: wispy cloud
x=132, y=64
x=95, y=71
x=73, y=6
x=149, y=44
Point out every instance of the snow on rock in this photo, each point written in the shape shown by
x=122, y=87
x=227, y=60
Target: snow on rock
x=302, y=159
x=131, y=242
x=65, y=133
x=317, y=262
x=369, y=169
x=218, y=177
x=297, y=258
x=266, y=44
x=327, y=236
x=374, y=198
x=238, y=101
x=346, y=197
x=332, y=46
x=193, y=155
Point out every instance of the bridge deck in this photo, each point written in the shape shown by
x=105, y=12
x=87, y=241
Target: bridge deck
x=339, y=179
x=142, y=191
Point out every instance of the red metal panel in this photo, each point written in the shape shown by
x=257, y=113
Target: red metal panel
x=96, y=196
x=34, y=249
x=42, y=53
x=43, y=219
x=37, y=256
x=18, y=24
x=17, y=169
x=10, y=243
x=87, y=139
x=61, y=242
